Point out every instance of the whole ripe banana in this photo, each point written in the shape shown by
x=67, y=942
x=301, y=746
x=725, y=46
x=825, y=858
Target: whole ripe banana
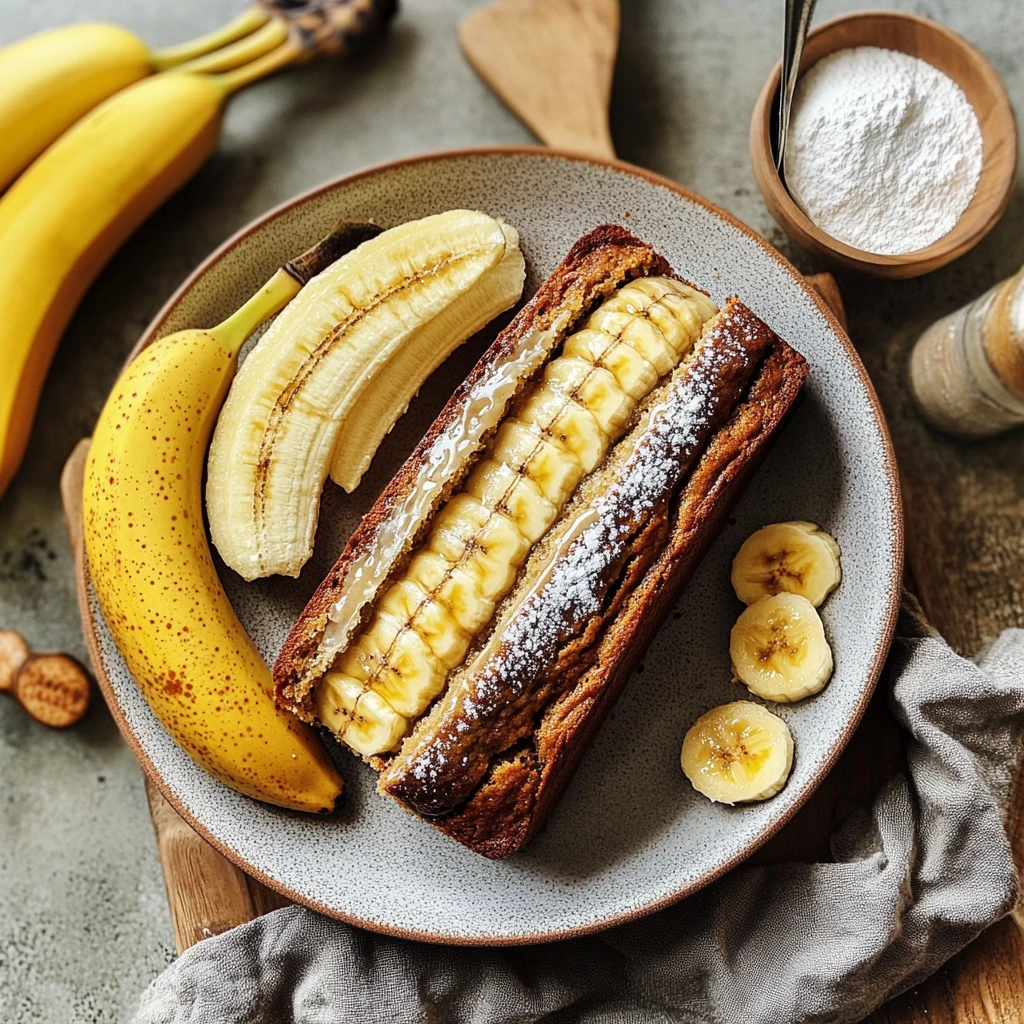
x=313, y=393
x=50, y=80
x=150, y=562
x=70, y=211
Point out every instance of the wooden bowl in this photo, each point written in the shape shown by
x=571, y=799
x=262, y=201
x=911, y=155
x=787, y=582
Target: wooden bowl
x=955, y=57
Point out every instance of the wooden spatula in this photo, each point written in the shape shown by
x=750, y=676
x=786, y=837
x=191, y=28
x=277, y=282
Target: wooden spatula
x=551, y=61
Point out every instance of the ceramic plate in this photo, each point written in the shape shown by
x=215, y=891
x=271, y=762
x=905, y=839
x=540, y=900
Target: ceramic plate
x=630, y=835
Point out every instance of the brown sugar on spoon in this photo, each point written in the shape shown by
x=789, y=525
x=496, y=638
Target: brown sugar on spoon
x=53, y=688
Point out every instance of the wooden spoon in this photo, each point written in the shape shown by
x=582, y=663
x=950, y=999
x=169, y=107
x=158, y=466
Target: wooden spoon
x=551, y=61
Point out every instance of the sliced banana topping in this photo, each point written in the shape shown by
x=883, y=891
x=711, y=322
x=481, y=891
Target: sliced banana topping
x=778, y=648
x=795, y=558
x=639, y=333
x=485, y=542
x=562, y=428
x=455, y=588
x=360, y=717
x=738, y=753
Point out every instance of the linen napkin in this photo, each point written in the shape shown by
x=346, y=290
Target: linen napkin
x=913, y=881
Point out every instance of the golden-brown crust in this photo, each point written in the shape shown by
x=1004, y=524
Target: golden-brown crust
x=515, y=800
x=597, y=264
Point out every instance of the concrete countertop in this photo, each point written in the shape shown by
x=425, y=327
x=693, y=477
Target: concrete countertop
x=83, y=918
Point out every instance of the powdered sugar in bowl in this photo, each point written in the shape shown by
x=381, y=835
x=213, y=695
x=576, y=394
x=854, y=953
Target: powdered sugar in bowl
x=907, y=206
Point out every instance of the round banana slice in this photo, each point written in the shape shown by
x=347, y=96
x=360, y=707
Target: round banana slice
x=794, y=558
x=737, y=753
x=778, y=648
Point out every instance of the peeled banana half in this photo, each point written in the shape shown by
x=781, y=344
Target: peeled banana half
x=333, y=373
x=738, y=753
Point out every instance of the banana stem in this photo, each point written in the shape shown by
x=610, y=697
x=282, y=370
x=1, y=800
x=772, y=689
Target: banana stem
x=248, y=21
x=267, y=302
x=287, y=282
x=287, y=53
x=246, y=50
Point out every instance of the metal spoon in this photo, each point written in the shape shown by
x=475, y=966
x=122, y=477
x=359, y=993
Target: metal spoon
x=798, y=20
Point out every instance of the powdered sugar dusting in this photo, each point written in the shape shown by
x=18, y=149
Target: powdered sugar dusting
x=574, y=590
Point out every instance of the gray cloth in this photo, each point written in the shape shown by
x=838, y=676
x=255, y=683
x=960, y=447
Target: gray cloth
x=913, y=881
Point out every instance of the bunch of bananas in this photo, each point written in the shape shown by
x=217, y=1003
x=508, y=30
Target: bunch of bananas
x=101, y=131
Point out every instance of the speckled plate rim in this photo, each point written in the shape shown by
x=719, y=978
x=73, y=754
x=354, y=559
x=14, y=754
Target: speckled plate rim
x=893, y=589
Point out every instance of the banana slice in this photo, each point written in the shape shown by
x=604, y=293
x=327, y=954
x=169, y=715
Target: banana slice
x=407, y=601
x=677, y=310
x=738, y=753
x=454, y=588
x=636, y=376
x=796, y=558
x=396, y=663
x=500, y=487
x=553, y=469
x=485, y=543
x=778, y=648
x=639, y=333
x=568, y=424
x=361, y=718
x=595, y=388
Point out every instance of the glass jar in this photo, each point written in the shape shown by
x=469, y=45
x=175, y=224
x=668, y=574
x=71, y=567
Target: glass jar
x=967, y=369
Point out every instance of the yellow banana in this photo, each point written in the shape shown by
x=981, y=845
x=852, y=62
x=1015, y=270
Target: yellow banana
x=50, y=80
x=70, y=211
x=150, y=562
